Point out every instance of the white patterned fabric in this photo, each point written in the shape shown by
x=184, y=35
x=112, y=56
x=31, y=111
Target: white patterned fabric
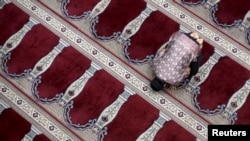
x=171, y=61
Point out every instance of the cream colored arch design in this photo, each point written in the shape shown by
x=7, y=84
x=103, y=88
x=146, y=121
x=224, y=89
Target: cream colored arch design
x=16, y=38
x=3, y=3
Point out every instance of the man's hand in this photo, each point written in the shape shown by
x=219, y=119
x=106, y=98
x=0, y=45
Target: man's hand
x=188, y=70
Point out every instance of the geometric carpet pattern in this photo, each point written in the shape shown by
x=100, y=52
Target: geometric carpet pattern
x=62, y=79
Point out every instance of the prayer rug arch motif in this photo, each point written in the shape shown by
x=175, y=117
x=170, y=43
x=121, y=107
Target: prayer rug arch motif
x=193, y=2
x=223, y=14
x=166, y=100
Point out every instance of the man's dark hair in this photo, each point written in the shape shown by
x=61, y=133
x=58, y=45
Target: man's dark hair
x=157, y=84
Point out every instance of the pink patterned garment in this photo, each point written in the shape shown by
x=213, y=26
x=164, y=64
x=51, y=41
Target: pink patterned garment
x=171, y=64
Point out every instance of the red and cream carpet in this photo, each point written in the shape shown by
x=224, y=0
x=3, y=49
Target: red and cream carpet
x=74, y=70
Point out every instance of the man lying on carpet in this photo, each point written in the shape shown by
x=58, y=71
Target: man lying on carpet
x=177, y=60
